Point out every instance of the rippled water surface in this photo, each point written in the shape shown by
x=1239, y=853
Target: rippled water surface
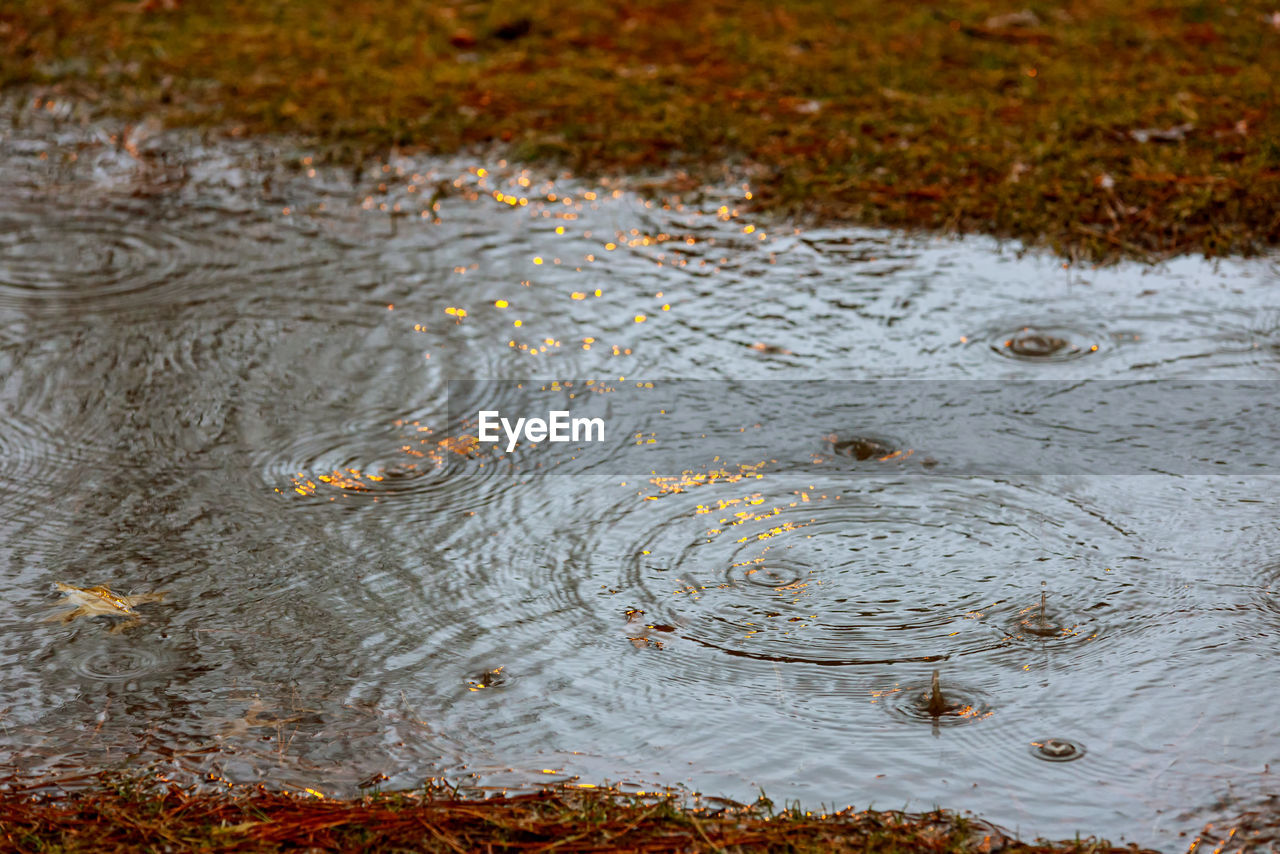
x=223, y=375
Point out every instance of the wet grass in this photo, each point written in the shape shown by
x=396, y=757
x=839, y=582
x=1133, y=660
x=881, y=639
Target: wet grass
x=127, y=815
x=1100, y=128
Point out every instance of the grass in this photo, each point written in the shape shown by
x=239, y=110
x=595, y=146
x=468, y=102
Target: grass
x=1099, y=128
x=129, y=815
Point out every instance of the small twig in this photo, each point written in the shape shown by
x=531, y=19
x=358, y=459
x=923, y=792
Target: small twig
x=697, y=825
x=441, y=836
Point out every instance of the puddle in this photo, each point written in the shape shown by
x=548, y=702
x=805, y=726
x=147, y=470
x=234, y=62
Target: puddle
x=224, y=373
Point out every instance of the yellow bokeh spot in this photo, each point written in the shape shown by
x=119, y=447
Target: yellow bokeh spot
x=537, y=260
x=639, y=318
x=501, y=303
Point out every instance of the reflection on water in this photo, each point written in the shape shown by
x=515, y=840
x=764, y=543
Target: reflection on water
x=223, y=374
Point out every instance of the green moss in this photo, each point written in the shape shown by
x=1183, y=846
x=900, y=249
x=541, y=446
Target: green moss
x=957, y=117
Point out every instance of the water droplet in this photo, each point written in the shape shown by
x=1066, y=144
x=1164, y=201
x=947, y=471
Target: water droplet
x=1057, y=750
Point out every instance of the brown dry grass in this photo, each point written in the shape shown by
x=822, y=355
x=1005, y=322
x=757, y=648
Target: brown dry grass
x=1101, y=128
x=126, y=816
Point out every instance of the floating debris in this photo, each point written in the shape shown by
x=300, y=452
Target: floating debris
x=99, y=601
x=375, y=779
x=488, y=679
